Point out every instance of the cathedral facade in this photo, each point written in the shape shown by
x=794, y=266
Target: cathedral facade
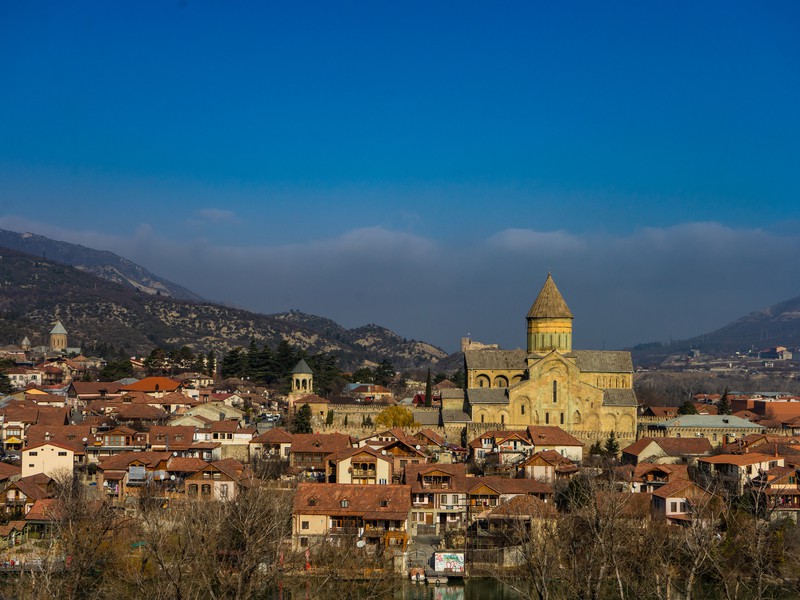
x=549, y=383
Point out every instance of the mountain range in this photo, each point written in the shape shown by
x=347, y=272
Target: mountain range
x=102, y=298
x=777, y=325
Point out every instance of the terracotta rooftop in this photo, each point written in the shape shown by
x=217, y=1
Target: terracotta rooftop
x=544, y=435
x=325, y=443
x=368, y=501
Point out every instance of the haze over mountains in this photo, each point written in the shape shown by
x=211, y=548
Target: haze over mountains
x=107, y=299
x=102, y=263
x=777, y=325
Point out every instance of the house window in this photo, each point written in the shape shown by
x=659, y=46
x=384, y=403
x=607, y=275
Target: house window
x=555, y=391
x=522, y=409
x=223, y=491
x=304, y=525
x=303, y=542
x=33, y=454
x=344, y=503
x=562, y=418
x=673, y=507
x=62, y=453
x=193, y=489
x=206, y=489
x=547, y=418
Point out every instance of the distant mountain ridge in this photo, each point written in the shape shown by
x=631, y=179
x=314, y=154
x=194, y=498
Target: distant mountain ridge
x=101, y=263
x=35, y=291
x=777, y=325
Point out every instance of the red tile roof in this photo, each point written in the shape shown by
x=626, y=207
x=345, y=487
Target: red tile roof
x=544, y=435
x=153, y=384
x=361, y=500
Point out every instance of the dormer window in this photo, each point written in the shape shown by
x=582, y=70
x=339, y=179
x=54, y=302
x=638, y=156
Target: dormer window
x=384, y=503
x=345, y=503
x=312, y=501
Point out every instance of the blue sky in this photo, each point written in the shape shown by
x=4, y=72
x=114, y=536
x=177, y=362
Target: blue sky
x=419, y=165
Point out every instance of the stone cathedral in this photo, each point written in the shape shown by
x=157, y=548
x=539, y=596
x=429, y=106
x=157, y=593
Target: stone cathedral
x=549, y=383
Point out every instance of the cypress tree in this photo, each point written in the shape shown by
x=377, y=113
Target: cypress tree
x=428, y=394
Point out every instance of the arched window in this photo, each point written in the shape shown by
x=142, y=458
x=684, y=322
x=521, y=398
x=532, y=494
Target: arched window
x=522, y=409
x=503, y=419
x=576, y=418
x=555, y=391
x=547, y=418
x=562, y=418
x=483, y=418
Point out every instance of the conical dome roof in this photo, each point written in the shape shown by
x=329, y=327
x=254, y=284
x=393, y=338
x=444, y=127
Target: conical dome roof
x=302, y=368
x=549, y=303
x=58, y=328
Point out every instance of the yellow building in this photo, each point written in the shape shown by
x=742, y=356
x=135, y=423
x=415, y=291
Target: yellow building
x=549, y=383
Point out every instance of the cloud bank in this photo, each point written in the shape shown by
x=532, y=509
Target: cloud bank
x=651, y=284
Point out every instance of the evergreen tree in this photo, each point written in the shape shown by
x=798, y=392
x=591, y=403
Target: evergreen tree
x=5, y=385
x=596, y=449
x=329, y=418
x=211, y=364
x=116, y=369
x=302, y=420
x=328, y=377
x=345, y=420
x=384, y=372
x=687, y=408
x=364, y=375
x=611, y=447
x=459, y=379
x=428, y=391
x=157, y=363
x=234, y=364
x=724, y=406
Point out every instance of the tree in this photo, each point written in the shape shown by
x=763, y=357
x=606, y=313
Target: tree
x=85, y=547
x=211, y=364
x=428, y=392
x=687, y=408
x=302, y=421
x=364, y=375
x=329, y=418
x=116, y=369
x=157, y=363
x=611, y=447
x=596, y=449
x=234, y=364
x=724, y=406
x=5, y=384
x=384, y=372
x=328, y=377
x=395, y=416
x=459, y=379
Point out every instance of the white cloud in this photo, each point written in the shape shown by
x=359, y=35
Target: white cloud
x=217, y=215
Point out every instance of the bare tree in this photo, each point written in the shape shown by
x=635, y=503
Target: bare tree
x=86, y=544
